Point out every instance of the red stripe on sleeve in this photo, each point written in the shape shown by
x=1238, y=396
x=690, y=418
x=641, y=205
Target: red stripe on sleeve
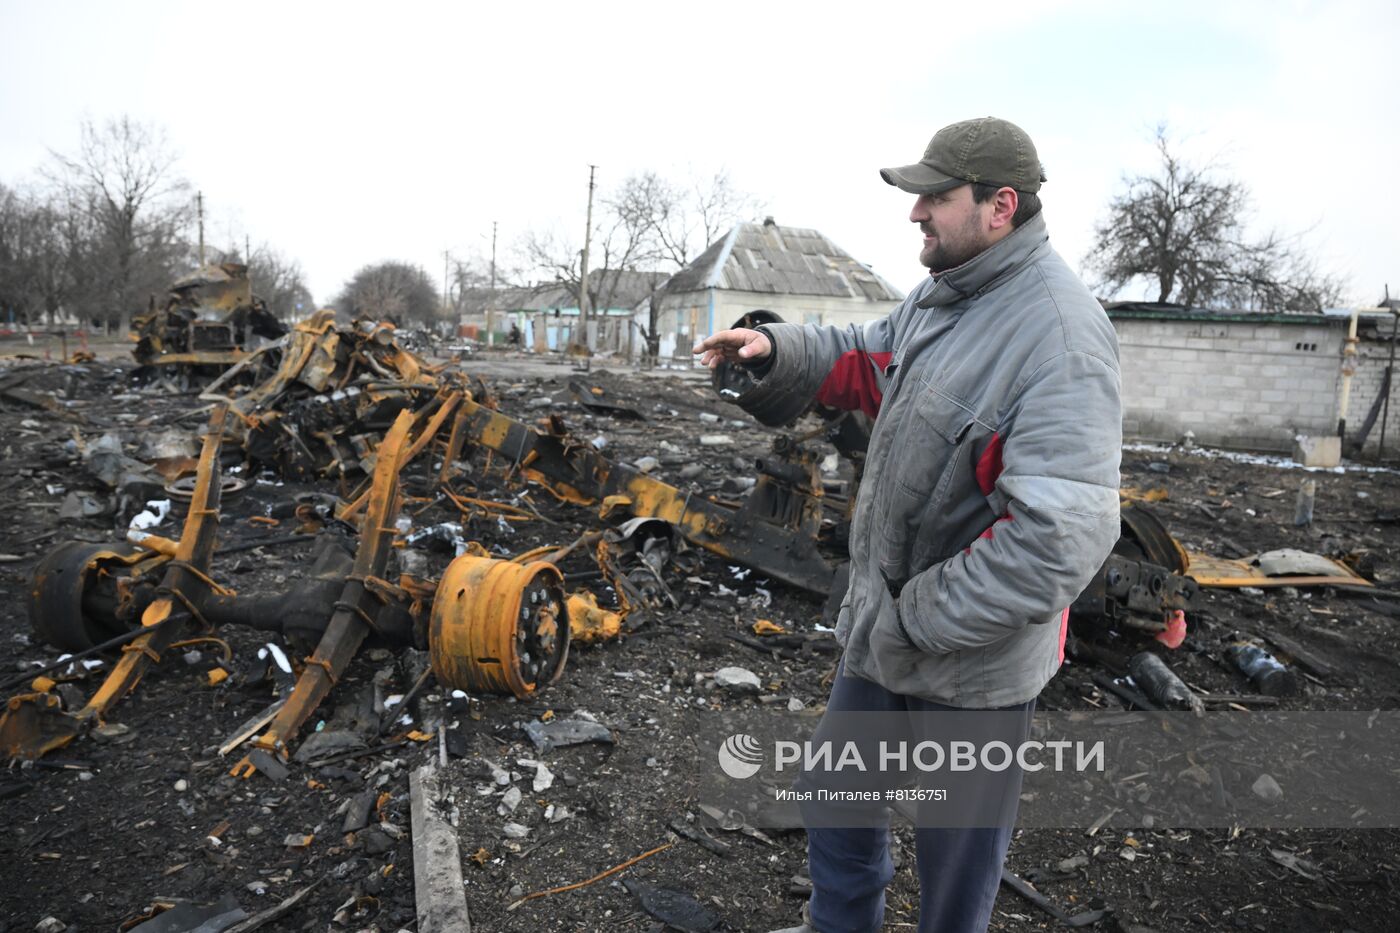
x=851, y=384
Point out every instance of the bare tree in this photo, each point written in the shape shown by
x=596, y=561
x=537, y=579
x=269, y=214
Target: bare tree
x=648, y=223
x=1184, y=230
x=123, y=178
x=41, y=248
x=621, y=242
x=280, y=282
x=686, y=218
x=681, y=221
x=58, y=246
x=395, y=291
x=16, y=269
x=472, y=278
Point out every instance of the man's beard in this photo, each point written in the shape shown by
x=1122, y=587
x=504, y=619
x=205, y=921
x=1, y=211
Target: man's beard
x=946, y=255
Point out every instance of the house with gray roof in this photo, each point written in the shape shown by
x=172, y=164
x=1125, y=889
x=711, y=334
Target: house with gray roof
x=797, y=273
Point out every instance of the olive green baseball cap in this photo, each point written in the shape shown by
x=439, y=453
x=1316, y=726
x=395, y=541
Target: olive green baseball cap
x=988, y=150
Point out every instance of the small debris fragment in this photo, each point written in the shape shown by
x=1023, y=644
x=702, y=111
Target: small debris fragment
x=737, y=680
x=1303, y=508
x=673, y=908
x=357, y=815
x=559, y=733
x=268, y=764
x=509, y=801
x=1160, y=684
x=115, y=733
x=1269, y=676
x=1266, y=788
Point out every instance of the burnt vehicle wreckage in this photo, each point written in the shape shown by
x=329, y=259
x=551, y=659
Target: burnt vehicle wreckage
x=204, y=324
x=350, y=405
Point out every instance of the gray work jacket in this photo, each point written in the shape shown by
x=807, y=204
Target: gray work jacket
x=990, y=493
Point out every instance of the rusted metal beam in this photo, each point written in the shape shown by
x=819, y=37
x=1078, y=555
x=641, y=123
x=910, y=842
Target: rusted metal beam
x=357, y=606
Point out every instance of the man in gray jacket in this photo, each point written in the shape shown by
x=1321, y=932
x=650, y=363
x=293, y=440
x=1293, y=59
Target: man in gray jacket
x=989, y=497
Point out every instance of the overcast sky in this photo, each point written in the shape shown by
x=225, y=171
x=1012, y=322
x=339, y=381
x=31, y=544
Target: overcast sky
x=346, y=133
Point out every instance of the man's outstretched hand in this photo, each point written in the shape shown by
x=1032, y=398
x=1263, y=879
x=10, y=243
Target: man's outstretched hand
x=737, y=346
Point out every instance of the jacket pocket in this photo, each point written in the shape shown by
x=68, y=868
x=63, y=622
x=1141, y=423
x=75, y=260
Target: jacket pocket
x=946, y=417
x=922, y=465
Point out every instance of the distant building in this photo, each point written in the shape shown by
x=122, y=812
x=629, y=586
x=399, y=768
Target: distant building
x=547, y=314
x=797, y=273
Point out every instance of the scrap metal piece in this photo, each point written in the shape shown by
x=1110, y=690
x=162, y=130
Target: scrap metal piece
x=495, y=626
x=1145, y=538
x=34, y=724
x=595, y=399
x=589, y=623
x=1274, y=568
x=355, y=610
x=181, y=491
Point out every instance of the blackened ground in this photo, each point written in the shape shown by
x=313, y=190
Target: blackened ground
x=99, y=831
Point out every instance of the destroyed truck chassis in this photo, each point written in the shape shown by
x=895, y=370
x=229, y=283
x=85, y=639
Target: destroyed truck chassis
x=495, y=625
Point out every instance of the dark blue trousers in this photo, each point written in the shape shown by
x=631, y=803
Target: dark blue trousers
x=959, y=868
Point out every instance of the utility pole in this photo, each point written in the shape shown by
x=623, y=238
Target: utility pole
x=199, y=198
x=585, y=312
x=247, y=251
x=445, y=254
x=491, y=299
x=1389, y=381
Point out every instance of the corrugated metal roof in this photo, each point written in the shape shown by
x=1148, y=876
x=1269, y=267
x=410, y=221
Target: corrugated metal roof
x=782, y=260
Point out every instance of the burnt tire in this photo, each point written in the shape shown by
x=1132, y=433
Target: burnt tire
x=56, y=612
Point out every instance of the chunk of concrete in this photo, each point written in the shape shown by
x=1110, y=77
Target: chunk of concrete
x=1317, y=451
x=737, y=680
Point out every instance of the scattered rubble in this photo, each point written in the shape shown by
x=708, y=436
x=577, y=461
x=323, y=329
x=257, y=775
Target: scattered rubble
x=571, y=793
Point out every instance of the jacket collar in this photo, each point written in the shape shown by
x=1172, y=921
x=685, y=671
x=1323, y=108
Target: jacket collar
x=989, y=268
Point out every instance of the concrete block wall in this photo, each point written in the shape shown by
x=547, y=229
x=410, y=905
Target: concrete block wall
x=1234, y=384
